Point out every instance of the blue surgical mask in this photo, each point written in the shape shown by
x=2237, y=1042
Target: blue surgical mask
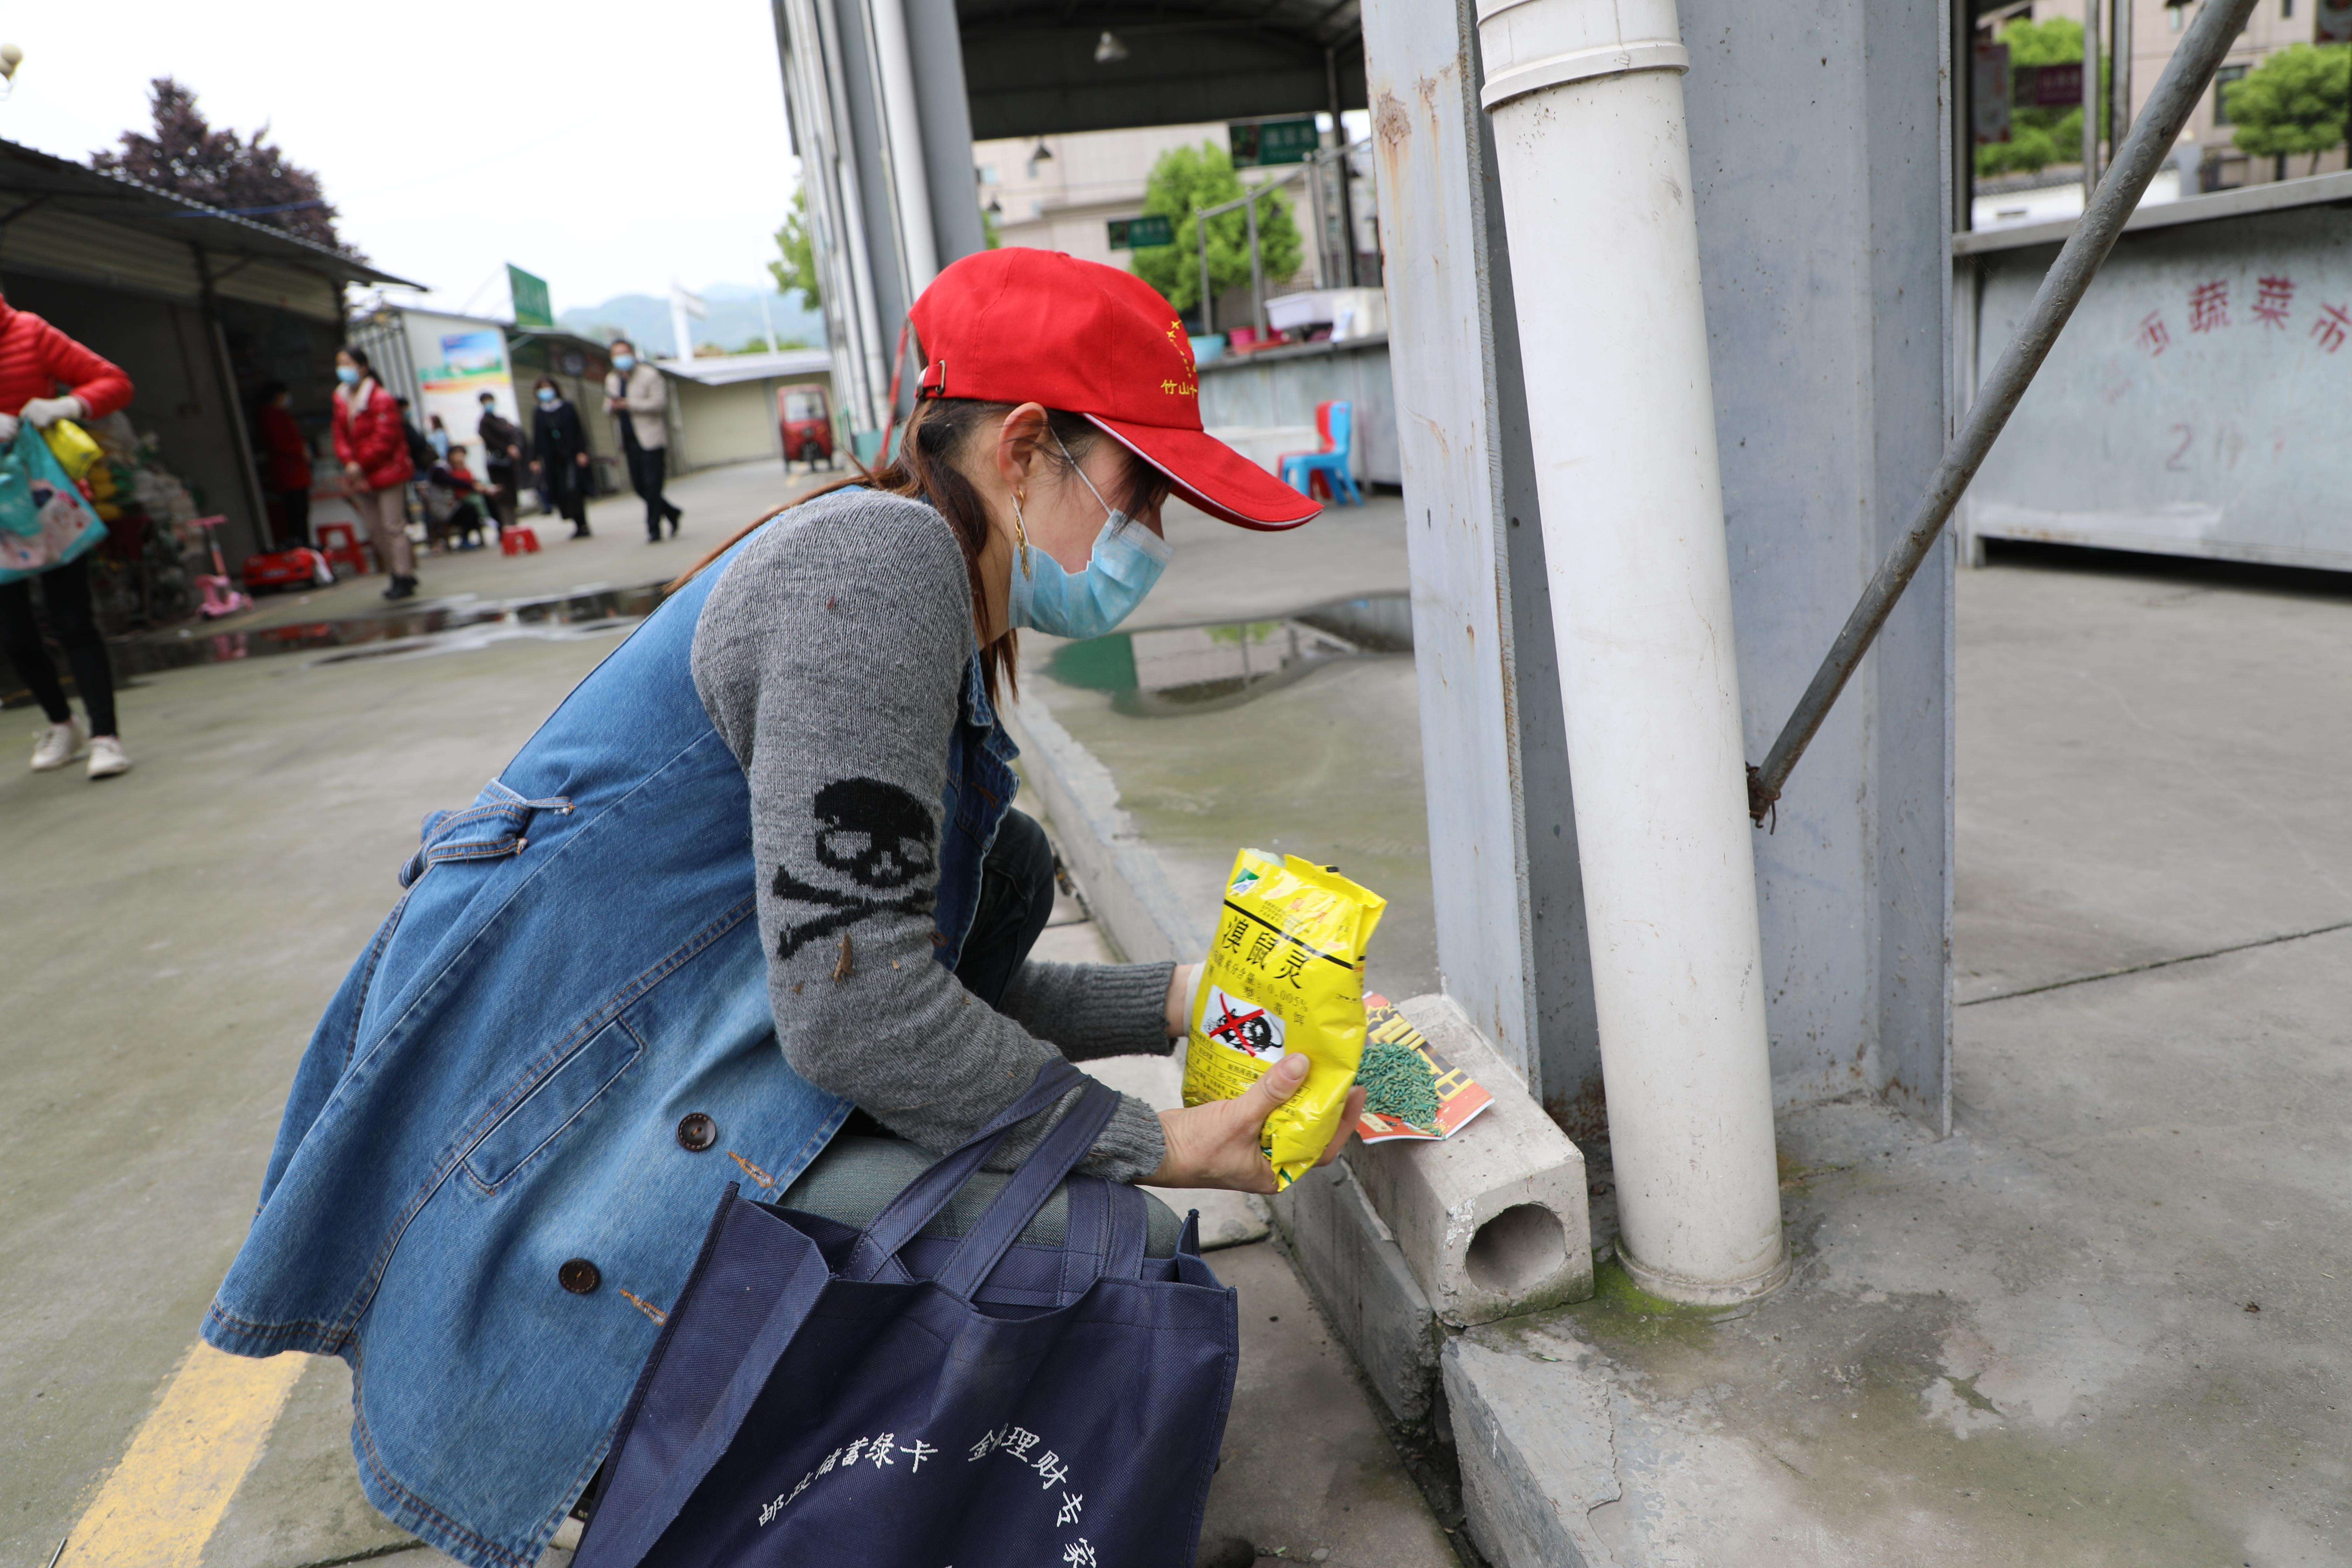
x=348, y=374
x=1127, y=560
x=546, y=395
x=624, y=362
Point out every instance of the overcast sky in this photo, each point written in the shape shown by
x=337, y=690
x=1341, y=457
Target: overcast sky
x=606, y=146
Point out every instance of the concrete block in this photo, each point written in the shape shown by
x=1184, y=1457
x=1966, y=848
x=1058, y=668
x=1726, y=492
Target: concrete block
x=1538, y=1452
x=1491, y=1221
x=1358, y=1279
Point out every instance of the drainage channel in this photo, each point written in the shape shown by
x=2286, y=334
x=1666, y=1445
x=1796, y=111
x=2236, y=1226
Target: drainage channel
x=1201, y=668
x=446, y=625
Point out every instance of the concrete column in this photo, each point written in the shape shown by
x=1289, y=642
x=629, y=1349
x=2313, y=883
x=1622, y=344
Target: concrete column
x=1502, y=841
x=1594, y=166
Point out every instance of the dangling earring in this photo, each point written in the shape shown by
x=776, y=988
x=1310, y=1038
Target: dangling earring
x=1020, y=534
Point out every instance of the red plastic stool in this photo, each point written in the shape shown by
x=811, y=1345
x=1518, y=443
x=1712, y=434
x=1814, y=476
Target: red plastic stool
x=340, y=542
x=519, y=539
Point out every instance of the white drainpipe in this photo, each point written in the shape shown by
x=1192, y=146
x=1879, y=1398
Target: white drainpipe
x=909, y=180
x=1587, y=102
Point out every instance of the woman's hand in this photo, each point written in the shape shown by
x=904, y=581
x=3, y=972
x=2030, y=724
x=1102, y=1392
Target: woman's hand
x=1216, y=1144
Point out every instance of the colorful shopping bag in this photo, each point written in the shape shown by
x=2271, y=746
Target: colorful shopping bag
x=826, y=1397
x=44, y=519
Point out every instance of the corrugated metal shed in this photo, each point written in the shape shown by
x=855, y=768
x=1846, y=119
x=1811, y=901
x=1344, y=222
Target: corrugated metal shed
x=85, y=226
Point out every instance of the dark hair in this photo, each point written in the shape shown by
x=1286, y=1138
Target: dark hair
x=359, y=357
x=925, y=467
x=548, y=382
x=269, y=389
x=620, y=343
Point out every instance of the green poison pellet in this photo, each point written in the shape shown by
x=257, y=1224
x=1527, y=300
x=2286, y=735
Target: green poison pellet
x=1397, y=1082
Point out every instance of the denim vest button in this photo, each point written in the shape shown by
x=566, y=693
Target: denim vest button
x=697, y=1132
x=579, y=1277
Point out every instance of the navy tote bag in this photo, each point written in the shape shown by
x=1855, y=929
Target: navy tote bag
x=825, y=1395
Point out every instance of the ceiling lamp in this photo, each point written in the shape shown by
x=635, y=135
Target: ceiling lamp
x=1109, y=49
x=1044, y=154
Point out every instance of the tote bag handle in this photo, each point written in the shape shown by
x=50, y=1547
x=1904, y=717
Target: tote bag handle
x=921, y=1200
x=1059, y=1153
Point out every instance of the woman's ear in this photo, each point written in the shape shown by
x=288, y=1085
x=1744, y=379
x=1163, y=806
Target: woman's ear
x=1017, y=446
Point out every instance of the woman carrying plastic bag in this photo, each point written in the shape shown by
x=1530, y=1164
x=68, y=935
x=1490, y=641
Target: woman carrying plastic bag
x=35, y=358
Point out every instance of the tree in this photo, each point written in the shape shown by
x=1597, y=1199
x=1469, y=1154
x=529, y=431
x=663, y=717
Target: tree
x=796, y=269
x=1184, y=178
x=250, y=177
x=2040, y=137
x=2291, y=102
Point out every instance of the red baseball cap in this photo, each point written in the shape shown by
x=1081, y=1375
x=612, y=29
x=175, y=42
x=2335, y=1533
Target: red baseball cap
x=1017, y=325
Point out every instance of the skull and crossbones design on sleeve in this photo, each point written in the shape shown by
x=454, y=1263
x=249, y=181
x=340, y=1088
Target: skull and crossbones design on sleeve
x=880, y=838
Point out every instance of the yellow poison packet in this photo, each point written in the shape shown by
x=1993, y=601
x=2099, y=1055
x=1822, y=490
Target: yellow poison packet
x=1285, y=974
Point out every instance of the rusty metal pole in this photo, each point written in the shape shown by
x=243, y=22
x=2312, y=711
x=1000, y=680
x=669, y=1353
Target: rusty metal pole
x=2170, y=103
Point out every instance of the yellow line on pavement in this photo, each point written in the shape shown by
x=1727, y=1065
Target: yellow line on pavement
x=185, y=1462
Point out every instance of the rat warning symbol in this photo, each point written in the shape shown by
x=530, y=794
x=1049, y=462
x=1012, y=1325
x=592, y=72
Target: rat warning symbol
x=1242, y=1024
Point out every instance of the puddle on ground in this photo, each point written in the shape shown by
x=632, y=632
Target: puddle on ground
x=1198, y=670
x=443, y=626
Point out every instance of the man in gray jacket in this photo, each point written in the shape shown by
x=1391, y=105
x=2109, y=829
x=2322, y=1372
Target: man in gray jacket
x=638, y=400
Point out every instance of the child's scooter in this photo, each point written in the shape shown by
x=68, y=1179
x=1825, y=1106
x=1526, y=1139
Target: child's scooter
x=221, y=597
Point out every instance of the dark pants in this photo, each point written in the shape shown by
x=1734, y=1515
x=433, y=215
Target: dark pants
x=65, y=597
x=502, y=497
x=294, y=507
x=571, y=493
x=1017, y=898
x=647, y=471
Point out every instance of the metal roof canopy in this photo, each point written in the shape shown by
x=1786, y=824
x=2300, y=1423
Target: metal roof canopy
x=1030, y=70
x=53, y=182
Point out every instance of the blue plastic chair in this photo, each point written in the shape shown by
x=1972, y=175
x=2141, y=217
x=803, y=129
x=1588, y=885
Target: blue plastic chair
x=1299, y=468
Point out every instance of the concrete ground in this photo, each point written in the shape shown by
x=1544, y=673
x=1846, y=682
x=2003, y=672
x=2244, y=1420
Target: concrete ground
x=2105, y=1320
x=172, y=935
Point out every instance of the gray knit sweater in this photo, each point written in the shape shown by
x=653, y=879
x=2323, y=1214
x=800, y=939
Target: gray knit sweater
x=832, y=649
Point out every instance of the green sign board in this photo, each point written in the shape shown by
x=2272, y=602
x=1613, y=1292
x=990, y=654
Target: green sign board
x=1261, y=144
x=530, y=304
x=1141, y=233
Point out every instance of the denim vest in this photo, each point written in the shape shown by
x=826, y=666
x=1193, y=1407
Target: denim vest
x=512, y=1127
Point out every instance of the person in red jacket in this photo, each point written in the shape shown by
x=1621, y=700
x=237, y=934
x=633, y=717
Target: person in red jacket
x=285, y=459
x=372, y=442
x=36, y=359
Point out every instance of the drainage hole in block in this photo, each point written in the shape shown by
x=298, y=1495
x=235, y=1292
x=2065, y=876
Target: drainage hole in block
x=1518, y=1249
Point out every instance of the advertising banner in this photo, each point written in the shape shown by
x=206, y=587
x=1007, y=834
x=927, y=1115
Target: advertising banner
x=471, y=361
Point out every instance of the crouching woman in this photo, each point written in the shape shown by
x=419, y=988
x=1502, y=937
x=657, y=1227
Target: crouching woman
x=751, y=899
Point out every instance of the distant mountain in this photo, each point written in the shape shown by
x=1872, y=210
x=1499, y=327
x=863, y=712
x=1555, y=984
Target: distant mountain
x=733, y=320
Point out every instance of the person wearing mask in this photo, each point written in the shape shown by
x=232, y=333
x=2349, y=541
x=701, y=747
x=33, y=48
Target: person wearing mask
x=638, y=399
x=286, y=459
x=436, y=436
x=761, y=874
x=372, y=442
x=501, y=456
x=34, y=360
x=559, y=450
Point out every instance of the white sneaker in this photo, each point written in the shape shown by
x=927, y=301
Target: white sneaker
x=58, y=744
x=107, y=758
